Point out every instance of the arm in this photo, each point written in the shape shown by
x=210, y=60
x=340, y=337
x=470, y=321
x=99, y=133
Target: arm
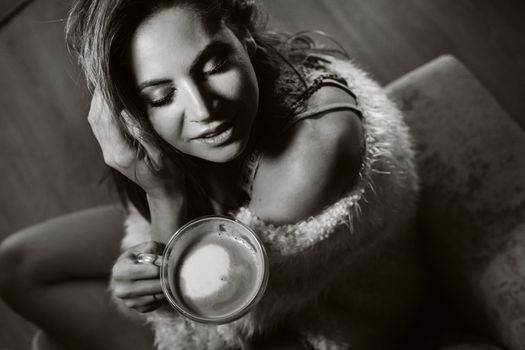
x=315, y=164
x=168, y=213
x=322, y=164
x=138, y=285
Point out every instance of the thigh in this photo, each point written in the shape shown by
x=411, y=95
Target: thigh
x=82, y=244
x=60, y=281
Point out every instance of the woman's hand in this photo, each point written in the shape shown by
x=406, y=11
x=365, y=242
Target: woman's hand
x=138, y=284
x=119, y=155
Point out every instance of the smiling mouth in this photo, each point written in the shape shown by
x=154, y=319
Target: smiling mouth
x=222, y=134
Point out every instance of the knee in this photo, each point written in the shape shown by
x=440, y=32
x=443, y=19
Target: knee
x=41, y=341
x=14, y=266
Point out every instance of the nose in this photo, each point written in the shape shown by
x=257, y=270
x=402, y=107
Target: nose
x=198, y=105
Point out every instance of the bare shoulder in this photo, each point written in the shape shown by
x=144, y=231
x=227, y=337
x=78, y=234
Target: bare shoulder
x=312, y=165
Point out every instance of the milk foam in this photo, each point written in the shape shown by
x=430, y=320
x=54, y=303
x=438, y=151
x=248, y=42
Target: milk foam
x=204, y=271
x=217, y=275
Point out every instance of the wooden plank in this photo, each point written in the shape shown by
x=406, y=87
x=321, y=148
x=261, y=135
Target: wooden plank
x=9, y=9
x=50, y=163
x=50, y=160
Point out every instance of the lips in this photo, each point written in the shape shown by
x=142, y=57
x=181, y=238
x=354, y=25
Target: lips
x=215, y=131
x=217, y=135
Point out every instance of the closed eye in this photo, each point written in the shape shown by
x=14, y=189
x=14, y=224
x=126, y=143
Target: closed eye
x=162, y=97
x=216, y=67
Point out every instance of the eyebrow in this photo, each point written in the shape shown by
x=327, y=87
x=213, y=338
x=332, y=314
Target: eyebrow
x=212, y=48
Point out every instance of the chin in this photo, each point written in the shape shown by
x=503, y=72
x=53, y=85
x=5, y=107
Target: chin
x=225, y=154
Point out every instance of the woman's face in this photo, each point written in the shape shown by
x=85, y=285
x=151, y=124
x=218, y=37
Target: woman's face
x=199, y=88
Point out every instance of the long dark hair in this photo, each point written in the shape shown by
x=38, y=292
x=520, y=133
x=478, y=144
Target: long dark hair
x=99, y=33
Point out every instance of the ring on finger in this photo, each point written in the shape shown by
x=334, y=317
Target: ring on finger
x=146, y=258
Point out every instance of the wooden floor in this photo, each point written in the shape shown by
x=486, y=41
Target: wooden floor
x=50, y=163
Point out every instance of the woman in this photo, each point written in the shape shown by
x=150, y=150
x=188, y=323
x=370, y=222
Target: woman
x=198, y=111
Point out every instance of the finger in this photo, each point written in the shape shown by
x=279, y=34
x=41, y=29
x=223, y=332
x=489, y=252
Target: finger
x=148, y=307
x=128, y=268
x=108, y=134
x=133, y=128
x=135, y=272
x=131, y=290
x=113, y=141
x=152, y=247
x=159, y=297
x=96, y=110
x=96, y=106
x=148, y=258
x=153, y=299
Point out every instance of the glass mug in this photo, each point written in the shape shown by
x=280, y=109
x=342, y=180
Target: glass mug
x=214, y=269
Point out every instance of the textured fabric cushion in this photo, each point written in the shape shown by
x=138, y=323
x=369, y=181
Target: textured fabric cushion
x=472, y=206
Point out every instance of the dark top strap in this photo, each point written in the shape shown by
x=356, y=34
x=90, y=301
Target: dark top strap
x=252, y=163
x=337, y=106
x=338, y=84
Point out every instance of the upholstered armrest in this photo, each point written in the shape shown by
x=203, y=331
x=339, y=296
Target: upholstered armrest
x=472, y=218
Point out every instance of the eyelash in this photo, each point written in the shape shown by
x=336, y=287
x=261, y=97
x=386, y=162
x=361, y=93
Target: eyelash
x=217, y=67
x=166, y=99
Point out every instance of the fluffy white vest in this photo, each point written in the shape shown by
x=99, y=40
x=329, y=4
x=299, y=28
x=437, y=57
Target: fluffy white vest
x=344, y=278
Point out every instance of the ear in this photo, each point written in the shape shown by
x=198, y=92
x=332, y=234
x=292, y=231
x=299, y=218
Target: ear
x=249, y=44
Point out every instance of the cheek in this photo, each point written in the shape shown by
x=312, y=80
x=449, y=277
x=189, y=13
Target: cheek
x=236, y=85
x=167, y=125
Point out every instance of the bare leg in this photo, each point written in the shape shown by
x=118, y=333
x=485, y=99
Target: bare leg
x=41, y=341
x=55, y=275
